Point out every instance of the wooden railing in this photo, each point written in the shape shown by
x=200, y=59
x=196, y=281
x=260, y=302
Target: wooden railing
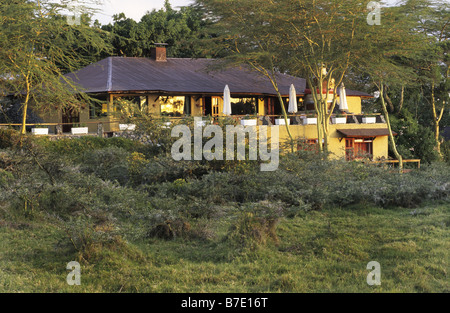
x=215, y=118
x=396, y=162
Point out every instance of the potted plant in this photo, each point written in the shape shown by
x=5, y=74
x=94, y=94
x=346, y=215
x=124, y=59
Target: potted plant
x=339, y=119
x=127, y=127
x=310, y=119
x=79, y=129
x=249, y=120
x=204, y=121
x=39, y=130
x=280, y=120
x=369, y=119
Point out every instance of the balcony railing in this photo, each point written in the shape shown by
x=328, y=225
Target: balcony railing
x=294, y=119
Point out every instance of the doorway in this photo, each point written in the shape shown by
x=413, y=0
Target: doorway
x=69, y=117
x=358, y=148
x=211, y=106
x=207, y=108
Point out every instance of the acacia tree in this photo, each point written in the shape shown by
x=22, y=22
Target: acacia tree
x=433, y=21
x=393, y=50
x=243, y=30
x=38, y=48
x=315, y=39
x=322, y=39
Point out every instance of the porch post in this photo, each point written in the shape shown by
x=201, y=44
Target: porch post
x=100, y=130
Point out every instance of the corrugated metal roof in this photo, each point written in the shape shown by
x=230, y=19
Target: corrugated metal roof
x=178, y=75
x=361, y=132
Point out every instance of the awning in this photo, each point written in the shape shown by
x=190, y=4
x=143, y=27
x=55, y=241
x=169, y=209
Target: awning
x=365, y=132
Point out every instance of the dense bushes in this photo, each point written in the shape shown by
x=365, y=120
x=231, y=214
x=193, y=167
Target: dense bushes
x=76, y=148
x=414, y=141
x=314, y=184
x=8, y=138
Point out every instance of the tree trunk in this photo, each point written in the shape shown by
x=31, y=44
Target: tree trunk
x=391, y=136
x=23, y=129
x=318, y=106
x=402, y=98
x=436, y=120
x=389, y=101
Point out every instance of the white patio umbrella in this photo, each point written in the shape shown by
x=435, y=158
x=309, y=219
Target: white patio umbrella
x=292, y=100
x=226, y=101
x=342, y=98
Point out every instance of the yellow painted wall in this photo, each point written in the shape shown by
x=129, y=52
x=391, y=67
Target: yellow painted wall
x=153, y=105
x=52, y=117
x=336, y=146
x=354, y=105
x=197, y=106
x=261, y=110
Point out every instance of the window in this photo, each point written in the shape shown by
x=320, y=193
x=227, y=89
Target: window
x=172, y=106
x=308, y=145
x=98, y=106
x=131, y=105
x=215, y=106
x=358, y=148
x=187, y=105
x=243, y=106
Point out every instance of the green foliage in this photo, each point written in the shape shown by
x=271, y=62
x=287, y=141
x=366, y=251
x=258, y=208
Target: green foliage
x=107, y=163
x=76, y=148
x=8, y=138
x=90, y=235
x=38, y=48
x=180, y=29
x=5, y=177
x=250, y=231
x=446, y=151
x=414, y=141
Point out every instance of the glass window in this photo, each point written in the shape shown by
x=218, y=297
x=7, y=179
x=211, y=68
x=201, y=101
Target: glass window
x=243, y=106
x=172, y=106
x=97, y=106
x=131, y=105
x=187, y=105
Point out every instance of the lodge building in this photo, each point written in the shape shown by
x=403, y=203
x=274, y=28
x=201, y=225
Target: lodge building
x=176, y=87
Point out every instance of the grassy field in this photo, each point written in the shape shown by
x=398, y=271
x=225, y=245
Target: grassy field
x=317, y=251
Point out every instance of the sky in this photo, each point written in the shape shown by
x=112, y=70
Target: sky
x=134, y=9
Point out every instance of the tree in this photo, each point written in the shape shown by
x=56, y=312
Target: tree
x=407, y=55
x=246, y=31
x=390, y=50
x=181, y=29
x=315, y=39
x=38, y=47
x=322, y=39
x=433, y=21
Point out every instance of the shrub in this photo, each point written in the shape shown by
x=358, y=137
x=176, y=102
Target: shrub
x=165, y=169
x=182, y=228
x=136, y=163
x=107, y=163
x=9, y=138
x=445, y=149
x=171, y=229
x=89, y=237
x=5, y=177
x=76, y=148
x=251, y=231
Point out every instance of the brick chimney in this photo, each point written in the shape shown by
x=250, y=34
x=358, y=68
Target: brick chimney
x=158, y=52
